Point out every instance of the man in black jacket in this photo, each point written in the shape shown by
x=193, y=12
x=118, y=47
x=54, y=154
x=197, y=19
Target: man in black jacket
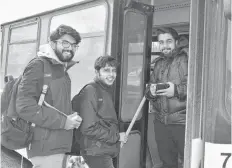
x=169, y=104
x=100, y=140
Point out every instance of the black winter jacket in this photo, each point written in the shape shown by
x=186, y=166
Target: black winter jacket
x=175, y=69
x=99, y=129
x=50, y=137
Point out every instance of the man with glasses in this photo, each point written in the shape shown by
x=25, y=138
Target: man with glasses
x=54, y=121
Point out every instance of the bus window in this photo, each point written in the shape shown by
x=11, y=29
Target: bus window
x=21, y=48
x=18, y=56
x=89, y=50
x=25, y=33
x=85, y=21
x=155, y=47
x=133, y=61
x=91, y=24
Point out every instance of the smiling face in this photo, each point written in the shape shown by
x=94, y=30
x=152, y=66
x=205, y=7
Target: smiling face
x=167, y=44
x=107, y=74
x=65, y=48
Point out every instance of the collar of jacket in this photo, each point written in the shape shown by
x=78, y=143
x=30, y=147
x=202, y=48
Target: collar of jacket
x=47, y=51
x=103, y=85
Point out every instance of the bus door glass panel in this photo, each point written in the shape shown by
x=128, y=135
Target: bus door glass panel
x=133, y=69
x=132, y=83
x=22, y=48
x=137, y=24
x=90, y=23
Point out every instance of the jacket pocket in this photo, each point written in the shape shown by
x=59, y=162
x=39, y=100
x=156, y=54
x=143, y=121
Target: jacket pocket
x=58, y=139
x=97, y=148
x=175, y=105
x=176, y=118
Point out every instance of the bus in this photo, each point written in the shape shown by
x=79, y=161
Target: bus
x=126, y=29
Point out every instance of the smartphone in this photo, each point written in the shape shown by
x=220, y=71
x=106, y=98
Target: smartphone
x=160, y=86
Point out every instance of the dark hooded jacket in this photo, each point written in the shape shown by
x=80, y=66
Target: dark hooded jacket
x=50, y=137
x=99, y=128
x=172, y=69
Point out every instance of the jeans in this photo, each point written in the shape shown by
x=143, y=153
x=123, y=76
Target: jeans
x=170, y=143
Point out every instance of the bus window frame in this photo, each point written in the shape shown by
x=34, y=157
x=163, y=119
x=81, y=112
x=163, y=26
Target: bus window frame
x=36, y=21
x=12, y=27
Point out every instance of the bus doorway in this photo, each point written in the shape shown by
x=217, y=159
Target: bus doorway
x=177, y=16
x=183, y=43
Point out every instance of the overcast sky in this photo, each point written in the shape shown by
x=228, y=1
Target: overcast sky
x=16, y=9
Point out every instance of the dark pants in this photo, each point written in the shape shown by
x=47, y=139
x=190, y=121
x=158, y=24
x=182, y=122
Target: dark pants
x=104, y=161
x=170, y=143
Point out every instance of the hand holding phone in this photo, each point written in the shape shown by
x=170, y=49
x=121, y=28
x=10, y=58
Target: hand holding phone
x=165, y=89
x=160, y=86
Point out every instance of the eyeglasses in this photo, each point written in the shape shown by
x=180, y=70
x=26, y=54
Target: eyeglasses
x=66, y=44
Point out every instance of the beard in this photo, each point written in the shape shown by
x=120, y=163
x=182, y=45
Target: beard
x=168, y=54
x=61, y=55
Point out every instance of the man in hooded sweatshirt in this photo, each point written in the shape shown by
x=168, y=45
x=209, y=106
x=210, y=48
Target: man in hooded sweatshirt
x=53, y=130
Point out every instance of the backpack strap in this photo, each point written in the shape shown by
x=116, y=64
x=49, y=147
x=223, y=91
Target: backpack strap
x=47, y=79
x=98, y=93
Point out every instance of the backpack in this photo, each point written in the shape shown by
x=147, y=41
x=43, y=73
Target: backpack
x=75, y=149
x=16, y=133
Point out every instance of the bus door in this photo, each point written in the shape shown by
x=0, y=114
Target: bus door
x=134, y=74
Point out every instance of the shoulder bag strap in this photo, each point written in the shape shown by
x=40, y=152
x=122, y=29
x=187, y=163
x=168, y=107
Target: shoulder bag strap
x=47, y=79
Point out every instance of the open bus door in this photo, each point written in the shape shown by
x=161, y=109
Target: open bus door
x=134, y=58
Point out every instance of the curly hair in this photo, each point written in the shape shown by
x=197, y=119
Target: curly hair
x=102, y=61
x=62, y=30
x=168, y=30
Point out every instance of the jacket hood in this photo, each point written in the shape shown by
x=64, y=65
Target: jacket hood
x=47, y=51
